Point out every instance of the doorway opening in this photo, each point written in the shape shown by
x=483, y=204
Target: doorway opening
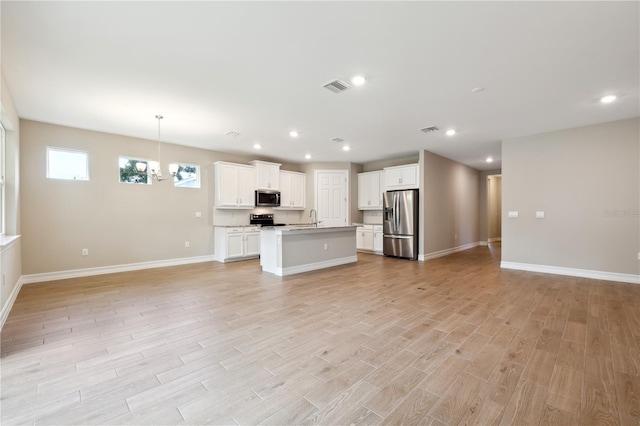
x=494, y=210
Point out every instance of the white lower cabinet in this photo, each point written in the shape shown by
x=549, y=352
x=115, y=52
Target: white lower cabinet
x=377, y=239
x=364, y=237
x=369, y=238
x=237, y=243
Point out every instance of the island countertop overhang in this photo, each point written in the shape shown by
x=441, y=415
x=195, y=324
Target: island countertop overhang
x=296, y=229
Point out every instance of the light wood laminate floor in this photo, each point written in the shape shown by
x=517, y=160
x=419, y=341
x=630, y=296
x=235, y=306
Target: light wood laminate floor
x=383, y=341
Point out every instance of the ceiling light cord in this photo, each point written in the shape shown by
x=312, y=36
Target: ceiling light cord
x=154, y=166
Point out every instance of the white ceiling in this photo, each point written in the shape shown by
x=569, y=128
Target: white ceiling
x=258, y=68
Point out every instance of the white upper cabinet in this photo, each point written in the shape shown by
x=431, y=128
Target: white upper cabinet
x=371, y=185
x=267, y=175
x=234, y=185
x=292, y=190
x=402, y=177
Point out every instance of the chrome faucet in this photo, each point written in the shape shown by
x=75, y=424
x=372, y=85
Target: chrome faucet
x=313, y=214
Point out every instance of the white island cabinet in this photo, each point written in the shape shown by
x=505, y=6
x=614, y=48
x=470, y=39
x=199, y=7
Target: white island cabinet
x=286, y=251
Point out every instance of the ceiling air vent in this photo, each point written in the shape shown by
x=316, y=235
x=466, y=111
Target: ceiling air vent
x=429, y=129
x=337, y=140
x=337, y=86
x=231, y=133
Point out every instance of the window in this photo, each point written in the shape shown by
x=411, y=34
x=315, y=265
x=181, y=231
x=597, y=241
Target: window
x=2, y=180
x=188, y=176
x=129, y=171
x=67, y=164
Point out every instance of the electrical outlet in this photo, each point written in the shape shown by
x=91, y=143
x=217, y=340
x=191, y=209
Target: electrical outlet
x=639, y=255
x=85, y=252
x=326, y=246
x=186, y=244
x=198, y=214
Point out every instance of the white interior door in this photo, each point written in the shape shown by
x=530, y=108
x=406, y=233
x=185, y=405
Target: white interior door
x=331, y=197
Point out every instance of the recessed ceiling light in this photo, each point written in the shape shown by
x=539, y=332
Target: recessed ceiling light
x=257, y=146
x=358, y=80
x=308, y=156
x=451, y=132
x=489, y=160
x=346, y=148
x=232, y=134
x=293, y=134
x=608, y=99
x=477, y=89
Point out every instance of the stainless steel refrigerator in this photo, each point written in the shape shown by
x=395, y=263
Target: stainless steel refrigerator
x=400, y=224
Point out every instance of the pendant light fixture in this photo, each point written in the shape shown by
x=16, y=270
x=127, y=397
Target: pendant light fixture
x=154, y=166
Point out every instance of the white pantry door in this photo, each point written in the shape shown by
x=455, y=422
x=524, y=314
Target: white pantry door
x=331, y=197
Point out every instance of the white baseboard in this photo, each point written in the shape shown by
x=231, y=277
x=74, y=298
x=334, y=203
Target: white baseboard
x=4, y=314
x=494, y=239
x=483, y=243
x=583, y=273
x=436, y=254
x=76, y=273
x=313, y=266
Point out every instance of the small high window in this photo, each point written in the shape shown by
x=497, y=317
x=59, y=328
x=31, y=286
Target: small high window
x=188, y=176
x=68, y=164
x=129, y=170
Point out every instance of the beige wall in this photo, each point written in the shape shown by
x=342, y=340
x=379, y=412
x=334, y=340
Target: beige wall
x=119, y=223
x=586, y=180
x=10, y=254
x=450, y=204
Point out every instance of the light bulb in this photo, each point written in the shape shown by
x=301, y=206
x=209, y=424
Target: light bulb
x=358, y=80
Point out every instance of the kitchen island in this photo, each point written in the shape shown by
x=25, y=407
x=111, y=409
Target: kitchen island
x=291, y=250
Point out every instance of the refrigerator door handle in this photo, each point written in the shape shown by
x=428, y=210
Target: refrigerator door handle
x=396, y=208
x=398, y=237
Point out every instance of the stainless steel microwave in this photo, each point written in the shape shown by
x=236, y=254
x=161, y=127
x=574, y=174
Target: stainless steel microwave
x=267, y=198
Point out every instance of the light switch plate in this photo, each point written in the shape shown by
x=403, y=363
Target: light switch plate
x=539, y=215
x=513, y=215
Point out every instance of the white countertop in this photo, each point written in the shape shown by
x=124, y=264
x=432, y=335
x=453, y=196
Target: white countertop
x=306, y=229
